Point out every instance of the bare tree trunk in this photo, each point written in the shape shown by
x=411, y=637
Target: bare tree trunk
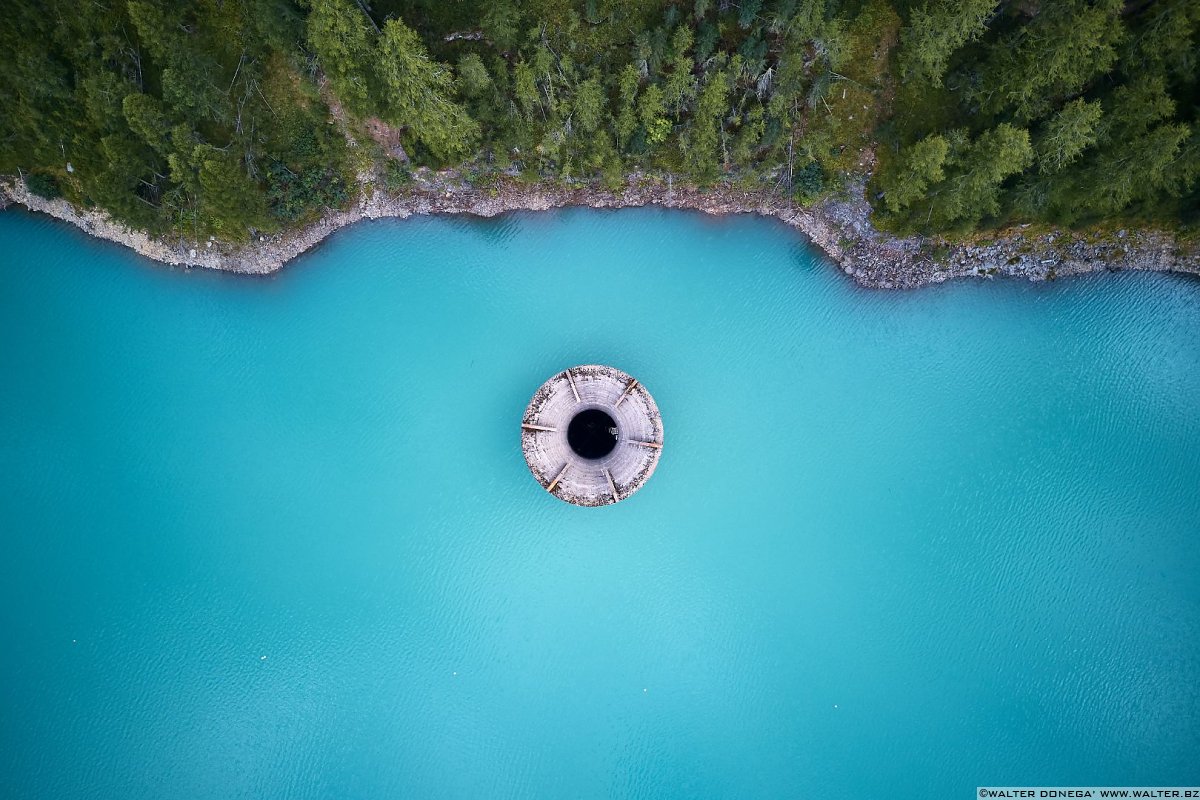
x=366, y=9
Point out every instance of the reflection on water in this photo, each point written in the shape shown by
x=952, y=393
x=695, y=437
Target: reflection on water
x=493, y=230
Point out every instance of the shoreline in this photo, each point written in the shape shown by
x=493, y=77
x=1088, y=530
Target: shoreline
x=840, y=228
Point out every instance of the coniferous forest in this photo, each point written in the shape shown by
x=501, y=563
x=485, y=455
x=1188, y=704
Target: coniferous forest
x=227, y=117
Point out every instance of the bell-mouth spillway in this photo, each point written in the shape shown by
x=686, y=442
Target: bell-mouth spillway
x=592, y=435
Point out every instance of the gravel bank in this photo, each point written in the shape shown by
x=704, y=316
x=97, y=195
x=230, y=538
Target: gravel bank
x=841, y=228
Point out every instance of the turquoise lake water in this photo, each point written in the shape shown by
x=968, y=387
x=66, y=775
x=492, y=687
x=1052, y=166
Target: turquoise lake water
x=268, y=538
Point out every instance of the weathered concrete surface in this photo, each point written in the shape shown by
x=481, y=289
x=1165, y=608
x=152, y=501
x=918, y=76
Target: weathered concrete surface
x=586, y=481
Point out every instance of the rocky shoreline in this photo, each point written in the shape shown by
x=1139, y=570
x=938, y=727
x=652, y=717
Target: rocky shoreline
x=840, y=227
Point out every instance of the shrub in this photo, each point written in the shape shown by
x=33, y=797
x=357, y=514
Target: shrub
x=294, y=195
x=808, y=181
x=396, y=175
x=43, y=185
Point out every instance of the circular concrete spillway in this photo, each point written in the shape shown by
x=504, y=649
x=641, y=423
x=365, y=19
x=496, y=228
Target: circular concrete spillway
x=592, y=435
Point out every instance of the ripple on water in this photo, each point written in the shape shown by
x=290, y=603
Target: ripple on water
x=923, y=539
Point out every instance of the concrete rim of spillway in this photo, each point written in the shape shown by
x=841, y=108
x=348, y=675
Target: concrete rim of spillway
x=559, y=463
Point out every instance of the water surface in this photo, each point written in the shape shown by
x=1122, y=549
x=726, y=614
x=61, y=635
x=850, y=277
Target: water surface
x=275, y=537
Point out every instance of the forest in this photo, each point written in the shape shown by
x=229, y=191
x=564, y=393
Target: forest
x=228, y=118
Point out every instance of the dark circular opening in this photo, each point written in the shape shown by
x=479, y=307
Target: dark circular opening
x=592, y=433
